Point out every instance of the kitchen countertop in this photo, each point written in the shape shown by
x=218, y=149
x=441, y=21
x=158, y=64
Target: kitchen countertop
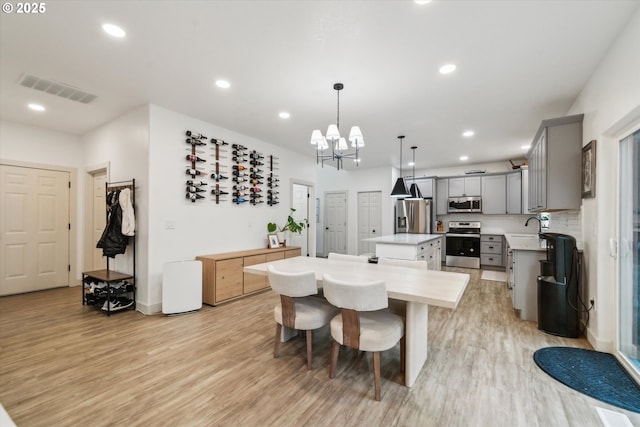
x=404, y=238
x=525, y=242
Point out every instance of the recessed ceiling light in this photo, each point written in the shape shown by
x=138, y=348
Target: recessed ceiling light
x=284, y=115
x=464, y=158
x=36, y=107
x=421, y=2
x=525, y=147
x=114, y=30
x=411, y=163
x=224, y=84
x=446, y=69
x=468, y=133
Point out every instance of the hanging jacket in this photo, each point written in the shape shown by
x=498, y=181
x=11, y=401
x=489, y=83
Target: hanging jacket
x=112, y=241
x=128, y=217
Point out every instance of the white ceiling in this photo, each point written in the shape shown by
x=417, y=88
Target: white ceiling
x=518, y=62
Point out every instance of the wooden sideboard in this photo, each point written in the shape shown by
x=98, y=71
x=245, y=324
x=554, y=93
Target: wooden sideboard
x=224, y=280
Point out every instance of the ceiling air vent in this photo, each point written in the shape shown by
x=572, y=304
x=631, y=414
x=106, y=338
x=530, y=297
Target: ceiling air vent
x=55, y=88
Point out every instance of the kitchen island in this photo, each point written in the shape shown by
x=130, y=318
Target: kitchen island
x=411, y=246
x=524, y=252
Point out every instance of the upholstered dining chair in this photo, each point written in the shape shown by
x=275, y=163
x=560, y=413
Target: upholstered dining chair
x=352, y=258
x=418, y=265
x=363, y=324
x=297, y=308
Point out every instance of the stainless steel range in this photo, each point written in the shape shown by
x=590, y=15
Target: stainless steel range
x=463, y=244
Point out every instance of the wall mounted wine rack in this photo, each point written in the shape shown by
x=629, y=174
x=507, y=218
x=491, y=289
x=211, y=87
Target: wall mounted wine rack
x=245, y=171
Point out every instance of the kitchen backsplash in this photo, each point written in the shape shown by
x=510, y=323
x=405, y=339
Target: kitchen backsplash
x=568, y=222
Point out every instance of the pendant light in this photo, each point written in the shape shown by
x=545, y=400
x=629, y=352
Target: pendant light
x=415, y=190
x=400, y=189
x=338, y=144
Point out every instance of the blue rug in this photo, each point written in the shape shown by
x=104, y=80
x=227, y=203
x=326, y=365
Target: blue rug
x=590, y=372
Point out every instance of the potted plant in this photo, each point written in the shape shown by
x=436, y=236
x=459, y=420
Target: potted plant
x=291, y=225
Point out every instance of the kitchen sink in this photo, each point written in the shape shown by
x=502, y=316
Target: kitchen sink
x=526, y=241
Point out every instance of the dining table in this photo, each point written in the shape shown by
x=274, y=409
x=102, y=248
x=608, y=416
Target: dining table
x=419, y=288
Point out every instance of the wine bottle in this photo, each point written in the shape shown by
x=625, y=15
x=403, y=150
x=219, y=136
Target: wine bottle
x=193, y=141
x=256, y=182
x=218, y=177
x=239, y=179
x=240, y=194
x=218, y=192
x=255, y=155
x=273, y=202
x=195, y=135
x=194, y=196
x=256, y=189
x=273, y=192
x=256, y=202
x=239, y=167
x=239, y=159
x=272, y=179
x=239, y=173
x=193, y=158
x=256, y=196
x=218, y=142
x=196, y=183
x=193, y=172
x=192, y=189
x=239, y=200
x=238, y=146
x=240, y=187
x=256, y=163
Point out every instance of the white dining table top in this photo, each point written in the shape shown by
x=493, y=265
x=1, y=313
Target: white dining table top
x=437, y=288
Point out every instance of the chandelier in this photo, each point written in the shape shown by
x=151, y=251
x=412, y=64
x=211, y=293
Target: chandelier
x=339, y=145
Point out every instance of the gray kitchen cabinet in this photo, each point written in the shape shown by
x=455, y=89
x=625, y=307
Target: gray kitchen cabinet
x=442, y=194
x=491, y=250
x=514, y=193
x=494, y=195
x=555, y=162
x=426, y=186
x=465, y=186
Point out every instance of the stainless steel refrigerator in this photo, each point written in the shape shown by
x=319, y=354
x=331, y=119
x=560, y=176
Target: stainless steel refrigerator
x=413, y=216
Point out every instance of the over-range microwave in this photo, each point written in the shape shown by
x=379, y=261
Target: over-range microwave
x=464, y=204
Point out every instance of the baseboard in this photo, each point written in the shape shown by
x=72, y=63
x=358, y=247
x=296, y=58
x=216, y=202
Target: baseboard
x=598, y=344
x=149, y=310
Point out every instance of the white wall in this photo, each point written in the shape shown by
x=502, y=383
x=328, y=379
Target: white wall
x=352, y=182
x=203, y=227
x=607, y=100
x=21, y=143
x=124, y=144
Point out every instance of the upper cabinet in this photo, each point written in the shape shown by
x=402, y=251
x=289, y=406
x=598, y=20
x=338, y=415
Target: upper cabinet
x=442, y=194
x=465, y=186
x=514, y=193
x=494, y=195
x=426, y=186
x=555, y=165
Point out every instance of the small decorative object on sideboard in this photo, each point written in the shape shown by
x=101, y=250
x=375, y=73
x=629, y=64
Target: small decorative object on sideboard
x=589, y=170
x=273, y=241
x=291, y=225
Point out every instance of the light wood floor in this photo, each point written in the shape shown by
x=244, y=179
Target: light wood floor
x=62, y=364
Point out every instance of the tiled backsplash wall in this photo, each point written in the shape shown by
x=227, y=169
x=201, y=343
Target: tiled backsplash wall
x=568, y=222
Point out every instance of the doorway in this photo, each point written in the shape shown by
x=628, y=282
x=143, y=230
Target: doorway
x=95, y=215
x=34, y=228
x=300, y=201
x=335, y=224
x=369, y=220
x=629, y=251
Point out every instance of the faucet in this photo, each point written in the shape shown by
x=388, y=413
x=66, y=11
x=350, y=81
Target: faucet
x=526, y=224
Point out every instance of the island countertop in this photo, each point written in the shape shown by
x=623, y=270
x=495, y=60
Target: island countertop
x=404, y=238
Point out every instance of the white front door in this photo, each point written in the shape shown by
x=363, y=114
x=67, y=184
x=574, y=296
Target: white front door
x=369, y=220
x=335, y=227
x=34, y=229
x=300, y=202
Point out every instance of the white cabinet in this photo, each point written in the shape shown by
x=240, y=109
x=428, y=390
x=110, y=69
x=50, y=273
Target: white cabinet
x=514, y=193
x=494, y=195
x=523, y=270
x=465, y=186
x=442, y=194
x=428, y=251
x=555, y=162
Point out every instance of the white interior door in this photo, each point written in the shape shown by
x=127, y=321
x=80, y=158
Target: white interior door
x=34, y=229
x=335, y=227
x=369, y=220
x=98, y=217
x=300, y=202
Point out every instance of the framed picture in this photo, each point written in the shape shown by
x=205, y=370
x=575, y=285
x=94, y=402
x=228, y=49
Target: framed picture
x=273, y=241
x=589, y=170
